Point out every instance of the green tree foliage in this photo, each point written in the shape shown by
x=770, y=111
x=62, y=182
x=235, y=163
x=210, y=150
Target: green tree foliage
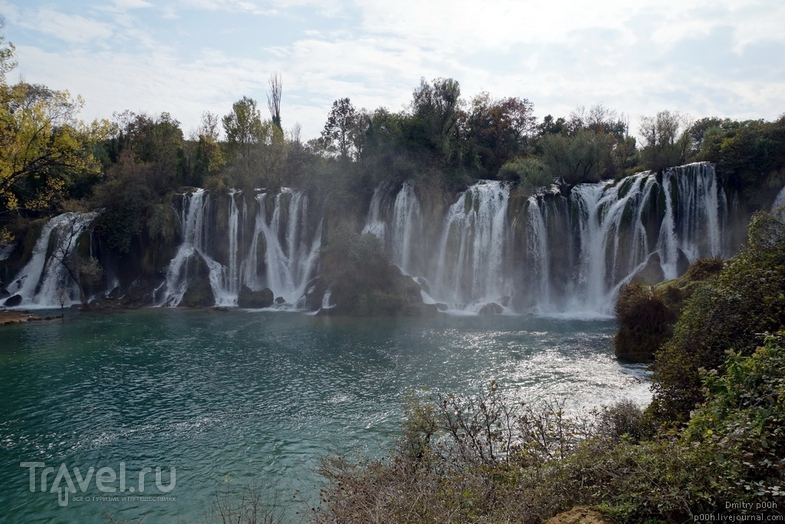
x=667, y=140
x=43, y=147
x=499, y=130
x=436, y=108
x=529, y=173
x=148, y=162
x=592, y=145
x=243, y=128
x=342, y=133
x=745, y=415
x=155, y=141
x=574, y=158
x=204, y=156
x=257, y=149
x=749, y=155
x=728, y=313
x=645, y=323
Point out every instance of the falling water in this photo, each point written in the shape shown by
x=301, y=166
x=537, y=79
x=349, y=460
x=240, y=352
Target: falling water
x=44, y=282
x=376, y=221
x=195, y=238
x=406, y=227
x=470, y=264
x=537, y=247
x=290, y=256
x=664, y=223
x=575, y=252
x=779, y=204
x=553, y=255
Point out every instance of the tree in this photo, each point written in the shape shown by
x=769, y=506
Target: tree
x=243, y=126
x=274, y=99
x=43, y=146
x=666, y=138
x=205, y=157
x=257, y=147
x=499, y=129
x=341, y=131
x=208, y=127
x=7, y=62
x=438, y=106
x=575, y=158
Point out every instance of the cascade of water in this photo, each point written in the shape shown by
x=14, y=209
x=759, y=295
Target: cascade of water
x=289, y=257
x=537, y=247
x=470, y=268
x=578, y=250
x=670, y=220
x=226, y=294
x=375, y=222
x=779, y=204
x=44, y=282
x=406, y=224
x=195, y=238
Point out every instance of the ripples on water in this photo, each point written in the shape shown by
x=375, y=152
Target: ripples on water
x=245, y=397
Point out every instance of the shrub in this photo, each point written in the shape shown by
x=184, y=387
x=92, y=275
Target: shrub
x=645, y=323
x=727, y=313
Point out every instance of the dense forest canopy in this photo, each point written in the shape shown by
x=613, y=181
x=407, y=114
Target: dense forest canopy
x=50, y=161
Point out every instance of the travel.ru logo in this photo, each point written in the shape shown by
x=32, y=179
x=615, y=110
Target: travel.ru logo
x=107, y=480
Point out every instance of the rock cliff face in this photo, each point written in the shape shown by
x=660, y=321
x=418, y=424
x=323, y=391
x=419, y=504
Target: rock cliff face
x=488, y=249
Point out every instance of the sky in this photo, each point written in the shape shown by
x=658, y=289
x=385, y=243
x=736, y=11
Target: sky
x=703, y=58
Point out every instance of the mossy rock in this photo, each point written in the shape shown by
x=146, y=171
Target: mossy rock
x=392, y=294
x=13, y=301
x=645, y=323
x=199, y=294
x=647, y=313
x=255, y=299
x=491, y=308
x=651, y=273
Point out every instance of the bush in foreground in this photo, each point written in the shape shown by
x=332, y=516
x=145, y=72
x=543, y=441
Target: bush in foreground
x=487, y=459
x=730, y=312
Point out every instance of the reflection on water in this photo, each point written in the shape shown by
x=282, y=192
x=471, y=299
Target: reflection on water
x=243, y=397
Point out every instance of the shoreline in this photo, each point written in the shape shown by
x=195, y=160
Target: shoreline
x=8, y=317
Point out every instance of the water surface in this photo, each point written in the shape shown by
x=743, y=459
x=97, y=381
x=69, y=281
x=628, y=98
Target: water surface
x=256, y=397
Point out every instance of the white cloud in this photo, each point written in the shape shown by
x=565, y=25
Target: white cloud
x=126, y=5
x=634, y=57
x=70, y=28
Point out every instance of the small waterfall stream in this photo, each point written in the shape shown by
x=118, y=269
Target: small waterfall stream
x=290, y=257
x=470, y=266
x=280, y=227
x=43, y=282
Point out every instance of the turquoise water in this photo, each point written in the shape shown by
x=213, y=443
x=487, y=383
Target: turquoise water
x=239, y=398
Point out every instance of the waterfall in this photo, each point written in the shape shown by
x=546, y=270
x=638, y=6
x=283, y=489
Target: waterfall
x=44, y=282
x=195, y=238
x=400, y=228
x=406, y=226
x=290, y=256
x=779, y=203
x=470, y=262
x=375, y=222
x=647, y=222
x=572, y=254
x=537, y=247
x=549, y=253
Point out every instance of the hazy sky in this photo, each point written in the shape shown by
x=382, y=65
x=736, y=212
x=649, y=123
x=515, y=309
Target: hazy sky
x=713, y=57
